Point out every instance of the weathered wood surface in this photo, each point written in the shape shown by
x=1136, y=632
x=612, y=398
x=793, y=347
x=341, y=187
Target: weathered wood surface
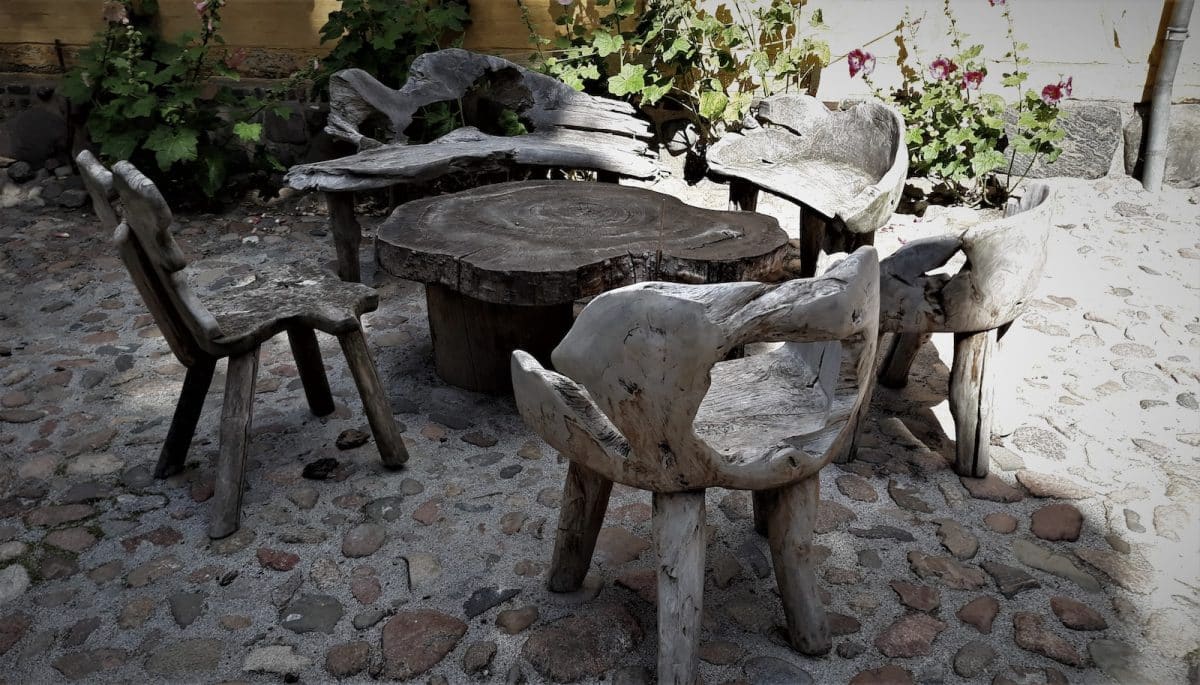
x=551, y=242
x=237, y=413
x=641, y=395
x=1004, y=262
x=679, y=542
x=791, y=514
x=347, y=234
x=580, y=516
x=233, y=322
x=849, y=166
x=98, y=182
x=468, y=150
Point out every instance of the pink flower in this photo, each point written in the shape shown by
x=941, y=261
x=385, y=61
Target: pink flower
x=860, y=60
x=115, y=12
x=941, y=68
x=1054, y=92
x=200, y=6
x=1067, y=85
x=234, y=59
x=971, y=80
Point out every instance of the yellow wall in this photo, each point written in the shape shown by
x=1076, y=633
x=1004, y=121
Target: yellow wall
x=1105, y=44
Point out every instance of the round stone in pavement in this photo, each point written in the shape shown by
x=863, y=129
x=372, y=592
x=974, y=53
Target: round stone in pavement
x=980, y=612
x=768, y=670
x=311, y=614
x=280, y=659
x=416, y=641
x=1057, y=522
x=910, y=635
x=177, y=658
x=363, y=540
x=1076, y=615
x=973, y=658
x=884, y=675
x=583, y=646
x=347, y=659
x=1001, y=522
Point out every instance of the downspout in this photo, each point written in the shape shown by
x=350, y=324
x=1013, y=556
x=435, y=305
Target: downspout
x=1159, y=123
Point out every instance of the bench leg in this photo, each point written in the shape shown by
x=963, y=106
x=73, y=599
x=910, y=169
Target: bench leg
x=584, y=500
x=187, y=415
x=347, y=234
x=893, y=373
x=812, y=238
x=236, y=416
x=790, y=521
x=743, y=195
x=971, y=389
x=307, y=354
x=679, y=541
x=375, y=401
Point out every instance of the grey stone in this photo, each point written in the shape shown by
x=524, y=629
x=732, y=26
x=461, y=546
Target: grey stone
x=186, y=607
x=768, y=670
x=383, y=508
x=72, y=199
x=1118, y=660
x=1010, y=581
x=478, y=658
x=368, y=618
x=881, y=532
x=1183, y=145
x=312, y=614
x=20, y=172
x=177, y=658
x=363, y=540
x=973, y=658
x=485, y=598
x=14, y=581
x=278, y=659
x=1093, y=132
x=1042, y=559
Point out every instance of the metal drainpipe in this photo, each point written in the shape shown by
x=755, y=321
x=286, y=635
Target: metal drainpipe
x=1159, y=123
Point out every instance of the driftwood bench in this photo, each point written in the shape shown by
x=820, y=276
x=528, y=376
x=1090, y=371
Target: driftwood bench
x=566, y=130
x=845, y=169
x=504, y=264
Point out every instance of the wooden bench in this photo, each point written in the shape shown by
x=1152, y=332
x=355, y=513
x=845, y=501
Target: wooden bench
x=234, y=323
x=643, y=397
x=566, y=129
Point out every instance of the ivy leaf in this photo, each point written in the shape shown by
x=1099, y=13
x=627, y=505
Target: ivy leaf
x=986, y=162
x=632, y=79
x=606, y=43
x=712, y=104
x=652, y=94
x=172, y=145
x=119, y=146
x=248, y=132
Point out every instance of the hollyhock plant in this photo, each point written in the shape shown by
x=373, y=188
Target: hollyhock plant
x=972, y=80
x=1054, y=92
x=941, y=68
x=860, y=60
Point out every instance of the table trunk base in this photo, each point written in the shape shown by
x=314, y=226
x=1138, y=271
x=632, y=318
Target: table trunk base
x=473, y=340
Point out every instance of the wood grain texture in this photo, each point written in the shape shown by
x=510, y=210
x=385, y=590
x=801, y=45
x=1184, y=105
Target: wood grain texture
x=902, y=350
x=551, y=242
x=173, y=456
x=972, y=387
x=791, y=515
x=376, y=404
x=679, y=542
x=237, y=413
x=98, y=182
x=311, y=368
x=580, y=516
x=849, y=166
x=347, y=234
x=642, y=397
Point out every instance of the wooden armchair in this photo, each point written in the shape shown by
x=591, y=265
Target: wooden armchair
x=978, y=304
x=845, y=169
x=642, y=397
x=566, y=129
x=234, y=323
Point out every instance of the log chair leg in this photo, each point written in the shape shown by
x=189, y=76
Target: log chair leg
x=762, y=504
x=812, y=238
x=347, y=234
x=307, y=354
x=743, y=196
x=608, y=177
x=584, y=500
x=971, y=389
x=236, y=416
x=679, y=541
x=375, y=401
x=187, y=415
x=893, y=373
x=791, y=517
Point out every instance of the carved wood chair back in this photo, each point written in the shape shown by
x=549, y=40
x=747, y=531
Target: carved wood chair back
x=156, y=264
x=869, y=135
x=99, y=185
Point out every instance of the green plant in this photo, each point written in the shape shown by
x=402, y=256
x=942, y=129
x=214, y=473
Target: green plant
x=675, y=59
x=154, y=101
x=959, y=135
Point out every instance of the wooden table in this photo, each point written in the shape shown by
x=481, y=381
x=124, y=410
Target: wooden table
x=504, y=264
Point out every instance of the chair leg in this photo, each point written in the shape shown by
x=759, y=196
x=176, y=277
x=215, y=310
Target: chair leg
x=187, y=414
x=347, y=234
x=679, y=540
x=792, y=515
x=762, y=504
x=743, y=196
x=971, y=390
x=375, y=401
x=893, y=373
x=236, y=416
x=307, y=353
x=584, y=499
x=812, y=238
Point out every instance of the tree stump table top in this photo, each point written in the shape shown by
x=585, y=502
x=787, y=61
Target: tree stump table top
x=504, y=264
x=553, y=242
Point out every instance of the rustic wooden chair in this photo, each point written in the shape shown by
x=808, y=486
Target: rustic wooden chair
x=566, y=129
x=642, y=397
x=1004, y=261
x=845, y=169
x=234, y=323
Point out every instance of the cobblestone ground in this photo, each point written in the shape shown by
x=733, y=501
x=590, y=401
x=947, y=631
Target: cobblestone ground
x=1077, y=561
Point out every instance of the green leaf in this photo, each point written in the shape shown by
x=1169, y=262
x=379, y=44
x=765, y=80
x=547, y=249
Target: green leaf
x=248, y=132
x=984, y=162
x=712, y=104
x=631, y=80
x=172, y=145
x=606, y=43
x=119, y=146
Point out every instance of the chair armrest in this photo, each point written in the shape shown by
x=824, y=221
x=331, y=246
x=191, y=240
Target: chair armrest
x=354, y=97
